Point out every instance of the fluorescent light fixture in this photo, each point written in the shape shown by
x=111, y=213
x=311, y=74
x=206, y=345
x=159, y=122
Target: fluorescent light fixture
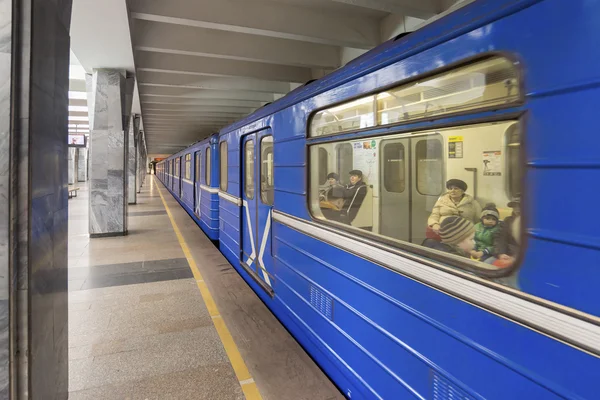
x=78, y=118
x=86, y=126
x=77, y=95
x=78, y=108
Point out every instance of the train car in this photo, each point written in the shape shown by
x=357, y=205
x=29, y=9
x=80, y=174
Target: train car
x=336, y=204
x=477, y=98
x=194, y=183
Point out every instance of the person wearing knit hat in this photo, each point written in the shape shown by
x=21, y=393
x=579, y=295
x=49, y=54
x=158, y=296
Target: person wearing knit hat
x=457, y=235
x=455, y=202
x=486, y=231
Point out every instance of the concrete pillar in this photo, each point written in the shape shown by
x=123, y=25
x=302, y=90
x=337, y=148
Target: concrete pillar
x=82, y=165
x=109, y=105
x=34, y=76
x=132, y=156
x=71, y=165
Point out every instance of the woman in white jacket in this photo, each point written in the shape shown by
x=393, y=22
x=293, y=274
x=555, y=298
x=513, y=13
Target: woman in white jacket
x=454, y=202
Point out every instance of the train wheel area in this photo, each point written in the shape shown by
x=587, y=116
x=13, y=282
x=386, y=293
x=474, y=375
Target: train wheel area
x=160, y=313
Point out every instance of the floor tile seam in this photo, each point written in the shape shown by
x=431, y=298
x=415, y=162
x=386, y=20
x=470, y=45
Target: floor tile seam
x=237, y=362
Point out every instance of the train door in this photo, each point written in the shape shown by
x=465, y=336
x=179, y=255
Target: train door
x=257, y=200
x=395, y=188
x=181, y=175
x=412, y=181
x=427, y=181
x=197, y=182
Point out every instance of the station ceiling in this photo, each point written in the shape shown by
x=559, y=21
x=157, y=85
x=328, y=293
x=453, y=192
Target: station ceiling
x=202, y=64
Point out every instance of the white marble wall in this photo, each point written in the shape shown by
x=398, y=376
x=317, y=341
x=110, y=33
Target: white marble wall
x=107, y=100
x=82, y=164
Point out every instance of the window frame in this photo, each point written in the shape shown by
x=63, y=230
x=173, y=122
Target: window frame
x=262, y=199
x=413, y=251
x=437, y=71
x=247, y=144
x=187, y=172
x=223, y=165
x=198, y=161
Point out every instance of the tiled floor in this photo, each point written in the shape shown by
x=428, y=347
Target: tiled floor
x=139, y=328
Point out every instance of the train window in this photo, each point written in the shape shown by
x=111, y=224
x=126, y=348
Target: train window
x=207, y=166
x=249, y=169
x=266, y=170
x=177, y=166
x=513, y=155
x=428, y=153
x=188, y=166
x=350, y=116
x=394, y=167
x=197, y=176
x=489, y=83
x=401, y=188
x=343, y=160
x=323, y=160
x=223, y=165
x=483, y=84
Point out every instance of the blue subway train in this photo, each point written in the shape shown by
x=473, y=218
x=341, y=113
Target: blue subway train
x=419, y=219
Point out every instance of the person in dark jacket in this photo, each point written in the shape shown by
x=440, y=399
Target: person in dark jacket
x=353, y=194
x=506, y=240
x=457, y=236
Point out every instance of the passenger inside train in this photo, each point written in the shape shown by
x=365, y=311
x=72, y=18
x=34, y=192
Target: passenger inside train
x=341, y=203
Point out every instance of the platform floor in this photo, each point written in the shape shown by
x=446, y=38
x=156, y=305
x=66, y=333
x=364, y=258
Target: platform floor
x=139, y=326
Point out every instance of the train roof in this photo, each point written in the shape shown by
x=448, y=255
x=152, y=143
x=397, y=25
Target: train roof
x=456, y=23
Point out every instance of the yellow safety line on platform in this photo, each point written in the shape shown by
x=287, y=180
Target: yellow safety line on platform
x=237, y=362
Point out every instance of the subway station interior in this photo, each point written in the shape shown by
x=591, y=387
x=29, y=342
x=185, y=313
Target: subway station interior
x=299, y=199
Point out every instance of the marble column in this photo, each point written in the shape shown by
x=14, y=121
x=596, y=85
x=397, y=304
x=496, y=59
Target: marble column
x=71, y=165
x=34, y=74
x=132, y=160
x=109, y=105
x=82, y=165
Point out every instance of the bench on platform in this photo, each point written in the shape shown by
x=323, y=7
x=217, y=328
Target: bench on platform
x=73, y=191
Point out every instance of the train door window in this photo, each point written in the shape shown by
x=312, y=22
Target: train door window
x=266, y=170
x=405, y=199
x=429, y=158
x=343, y=161
x=188, y=166
x=197, y=176
x=394, y=167
x=207, y=166
x=177, y=166
x=249, y=169
x=513, y=156
x=323, y=162
x=223, y=165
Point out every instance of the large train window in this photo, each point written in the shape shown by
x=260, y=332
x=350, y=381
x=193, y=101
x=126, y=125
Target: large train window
x=249, y=169
x=490, y=83
x=223, y=165
x=266, y=170
x=346, y=117
x=429, y=192
x=207, y=166
x=188, y=166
